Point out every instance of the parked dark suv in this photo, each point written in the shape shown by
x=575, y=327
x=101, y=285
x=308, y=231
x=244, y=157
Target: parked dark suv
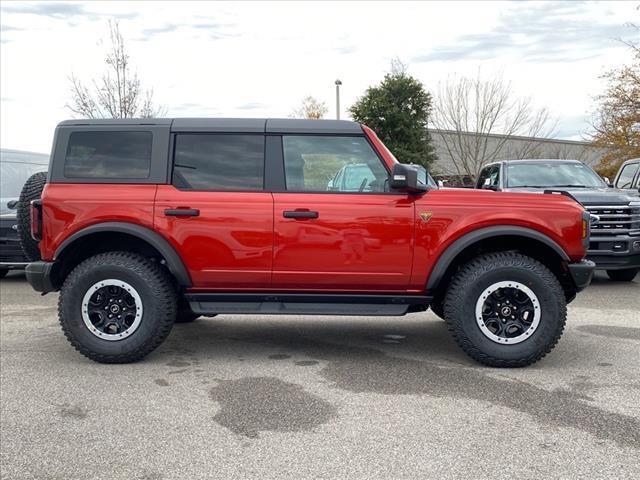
x=15, y=168
x=615, y=233
x=146, y=222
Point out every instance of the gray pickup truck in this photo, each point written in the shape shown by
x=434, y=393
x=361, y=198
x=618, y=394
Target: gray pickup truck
x=615, y=235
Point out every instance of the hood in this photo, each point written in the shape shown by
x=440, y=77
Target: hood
x=587, y=196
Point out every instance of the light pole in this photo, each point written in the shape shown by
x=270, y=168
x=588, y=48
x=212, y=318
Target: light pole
x=338, y=83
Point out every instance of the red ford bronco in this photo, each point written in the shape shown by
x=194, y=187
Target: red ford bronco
x=142, y=223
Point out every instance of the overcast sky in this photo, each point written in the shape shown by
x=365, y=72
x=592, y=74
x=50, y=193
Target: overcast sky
x=260, y=59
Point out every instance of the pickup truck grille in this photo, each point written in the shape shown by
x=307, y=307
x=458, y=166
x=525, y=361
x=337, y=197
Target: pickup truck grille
x=615, y=220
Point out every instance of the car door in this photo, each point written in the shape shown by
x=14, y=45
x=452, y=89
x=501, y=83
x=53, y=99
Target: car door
x=339, y=235
x=216, y=212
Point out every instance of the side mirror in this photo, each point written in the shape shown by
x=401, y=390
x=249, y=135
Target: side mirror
x=12, y=204
x=405, y=178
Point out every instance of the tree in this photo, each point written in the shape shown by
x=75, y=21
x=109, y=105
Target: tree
x=398, y=110
x=118, y=93
x=310, y=108
x=617, y=120
x=475, y=119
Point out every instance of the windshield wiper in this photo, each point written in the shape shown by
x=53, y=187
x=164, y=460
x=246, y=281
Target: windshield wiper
x=568, y=185
x=527, y=186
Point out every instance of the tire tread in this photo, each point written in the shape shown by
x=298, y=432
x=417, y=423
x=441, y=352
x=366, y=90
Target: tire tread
x=467, y=276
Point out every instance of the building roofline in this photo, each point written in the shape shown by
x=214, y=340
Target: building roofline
x=513, y=137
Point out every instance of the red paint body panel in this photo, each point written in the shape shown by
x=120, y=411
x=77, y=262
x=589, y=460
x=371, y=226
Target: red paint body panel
x=70, y=207
x=229, y=245
x=359, y=242
x=456, y=212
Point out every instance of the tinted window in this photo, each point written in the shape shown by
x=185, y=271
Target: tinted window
x=490, y=177
x=626, y=175
x=108, y=155
x=337, y=164
x=552, y=174
x=219, y=162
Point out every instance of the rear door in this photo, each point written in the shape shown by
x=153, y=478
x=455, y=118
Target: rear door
x=216, y=212
x=337, y=227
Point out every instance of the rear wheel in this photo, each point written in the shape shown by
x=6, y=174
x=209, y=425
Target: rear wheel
x=505, y=309
x=32, y=190
x=624, y=275
x=117, y=307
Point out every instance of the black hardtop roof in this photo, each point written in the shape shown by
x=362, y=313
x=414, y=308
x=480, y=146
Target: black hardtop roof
x=247, y=125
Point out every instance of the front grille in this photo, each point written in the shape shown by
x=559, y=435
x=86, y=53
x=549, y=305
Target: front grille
x=615, y=220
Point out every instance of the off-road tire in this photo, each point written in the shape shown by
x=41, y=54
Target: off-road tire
x=437, y=307
x=32, y=190
x=150, y=280
x=624, y=275
x=480, y=273
x=185, y=314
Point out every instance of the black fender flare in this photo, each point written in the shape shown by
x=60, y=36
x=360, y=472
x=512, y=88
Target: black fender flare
x=452, y=251
x=174, y=262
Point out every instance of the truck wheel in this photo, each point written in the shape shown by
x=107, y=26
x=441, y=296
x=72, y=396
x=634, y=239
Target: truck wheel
x=437, y=307
x=32, y=190
x=117, y=307
x=625, y=275
x=505, y=309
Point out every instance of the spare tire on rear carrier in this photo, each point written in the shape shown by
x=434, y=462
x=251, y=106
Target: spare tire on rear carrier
x=32, y=190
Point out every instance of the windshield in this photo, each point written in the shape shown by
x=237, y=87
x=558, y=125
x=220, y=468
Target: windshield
x=552, y=174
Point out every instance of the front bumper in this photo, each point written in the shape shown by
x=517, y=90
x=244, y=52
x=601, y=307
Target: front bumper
x=582, y=273
x=39, y=276
x=612, y=261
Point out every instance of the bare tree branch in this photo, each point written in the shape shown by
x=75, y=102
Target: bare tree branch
x=476, y=118
x=310, y=108
x=118, y=93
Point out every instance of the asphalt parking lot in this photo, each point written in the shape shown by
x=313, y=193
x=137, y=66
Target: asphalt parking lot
x=321, y=397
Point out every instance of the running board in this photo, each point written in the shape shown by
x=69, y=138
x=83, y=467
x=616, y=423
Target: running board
x=306, y=304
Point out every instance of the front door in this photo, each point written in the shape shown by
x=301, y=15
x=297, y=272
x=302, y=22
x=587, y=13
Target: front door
x=216, y=214
x=337, y=227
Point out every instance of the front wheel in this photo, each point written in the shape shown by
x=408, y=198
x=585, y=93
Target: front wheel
x=117, y=307
x=505, y=309
x=624, y=275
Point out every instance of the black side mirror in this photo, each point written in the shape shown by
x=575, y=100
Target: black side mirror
x=12, y=204
x=405, y=178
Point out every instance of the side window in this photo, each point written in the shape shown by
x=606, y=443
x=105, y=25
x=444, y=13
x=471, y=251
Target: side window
x=219, y=162
x=482, y=178
x=108, y=155
x=626, y=175
x=490, y=177
x=494, y=176
x=332, y=163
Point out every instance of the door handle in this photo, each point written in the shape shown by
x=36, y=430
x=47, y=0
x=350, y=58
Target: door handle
x=182, y=212
x=300, y=214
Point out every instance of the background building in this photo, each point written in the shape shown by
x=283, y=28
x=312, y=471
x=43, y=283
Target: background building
x=480, y=149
